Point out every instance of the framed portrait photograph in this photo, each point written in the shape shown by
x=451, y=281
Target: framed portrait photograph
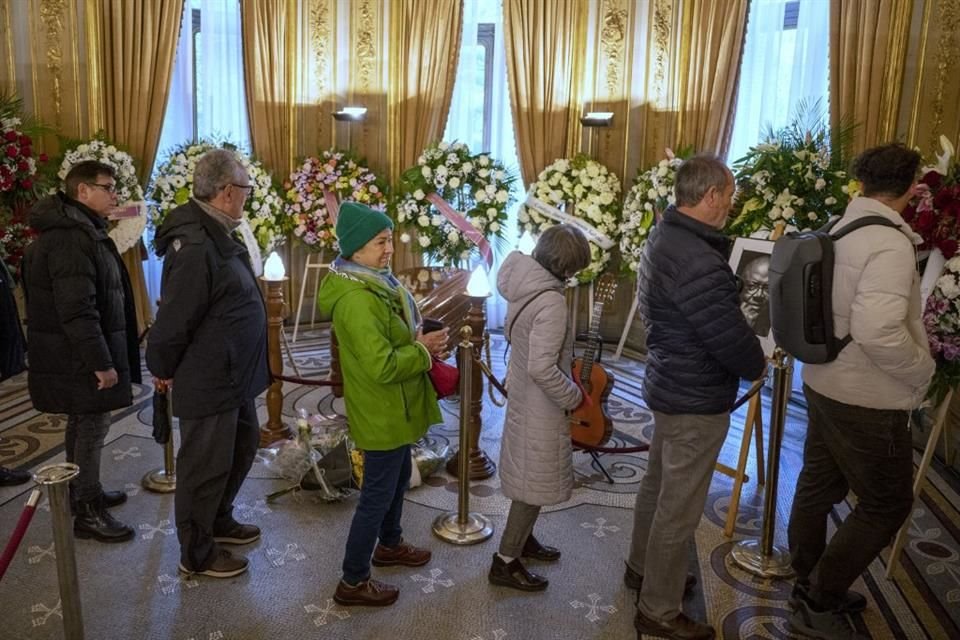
x=750, y=260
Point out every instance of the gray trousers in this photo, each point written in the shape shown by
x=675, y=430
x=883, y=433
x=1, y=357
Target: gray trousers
x=669, y=504
x=519, y=526
x=83, y=441
x=216, y=452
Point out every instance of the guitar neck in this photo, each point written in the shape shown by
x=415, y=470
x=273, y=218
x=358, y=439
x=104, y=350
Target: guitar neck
x=593, y=343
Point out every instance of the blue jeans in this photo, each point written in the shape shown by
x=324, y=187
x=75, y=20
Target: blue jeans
x=386, y=475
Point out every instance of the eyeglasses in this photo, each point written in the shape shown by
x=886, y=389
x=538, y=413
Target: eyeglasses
x=753, y=288
x=247, y=188
x=109, y=188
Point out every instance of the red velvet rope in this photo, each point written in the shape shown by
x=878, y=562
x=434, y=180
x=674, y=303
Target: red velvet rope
x=25, y=516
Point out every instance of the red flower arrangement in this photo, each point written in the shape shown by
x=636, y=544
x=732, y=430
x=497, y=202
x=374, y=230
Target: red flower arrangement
x=15, y=235
x=934, y=214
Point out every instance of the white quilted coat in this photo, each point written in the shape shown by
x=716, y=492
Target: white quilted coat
x=536, y=464
x=876, y=299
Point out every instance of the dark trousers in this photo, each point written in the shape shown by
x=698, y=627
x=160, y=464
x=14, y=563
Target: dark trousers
x=386, y=475
x=848, y=448
x=216, y=452
x=84, y=445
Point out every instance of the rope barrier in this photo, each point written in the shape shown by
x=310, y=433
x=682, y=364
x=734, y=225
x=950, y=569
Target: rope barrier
x=307, y=381
x=18, y=532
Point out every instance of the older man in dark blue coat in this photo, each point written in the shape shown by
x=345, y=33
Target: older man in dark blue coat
x=700, y=346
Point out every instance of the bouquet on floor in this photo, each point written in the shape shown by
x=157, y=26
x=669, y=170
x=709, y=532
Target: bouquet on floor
x=173, y=183
x=795, y=178
x=579, y=191
x=454, y=202
x=941, y=317
x=648, y=198
x=935, y=211
x=317, y=187
x=130, y=220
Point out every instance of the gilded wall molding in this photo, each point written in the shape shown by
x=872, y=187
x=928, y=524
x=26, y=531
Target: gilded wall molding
x=948, y=52
x=366, y=49
x=9, y=79
x=51, y=15
x=612, y=35
x=662, y=26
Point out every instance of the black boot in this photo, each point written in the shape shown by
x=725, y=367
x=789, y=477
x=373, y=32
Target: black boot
x=515, y=575
x=94, y=521
x=110, y=499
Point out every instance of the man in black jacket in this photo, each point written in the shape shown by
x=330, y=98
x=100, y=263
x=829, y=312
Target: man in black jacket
x=210, y=337
x=699, y=346
x=81, y=333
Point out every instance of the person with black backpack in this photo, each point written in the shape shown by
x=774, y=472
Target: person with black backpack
x=859, y=401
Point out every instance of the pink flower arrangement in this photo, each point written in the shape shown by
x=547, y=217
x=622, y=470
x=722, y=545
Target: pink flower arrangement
x=334, y=176
x=941, y=318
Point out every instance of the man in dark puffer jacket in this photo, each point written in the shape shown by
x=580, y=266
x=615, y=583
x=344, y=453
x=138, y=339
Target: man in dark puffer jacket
x=211, y=338
x=81, y=333
x=700, y=345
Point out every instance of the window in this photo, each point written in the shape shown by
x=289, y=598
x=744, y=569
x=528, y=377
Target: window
x=785, y=64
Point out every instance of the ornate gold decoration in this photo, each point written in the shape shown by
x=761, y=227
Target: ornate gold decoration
x=95, y=96
x=612, y=37
x=948, y=51
x=320, y=41
x=662, y=19
x=921, y=71
x=366, y=50
x=51, y=14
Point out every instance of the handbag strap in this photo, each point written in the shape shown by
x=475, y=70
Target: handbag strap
x=526, y=304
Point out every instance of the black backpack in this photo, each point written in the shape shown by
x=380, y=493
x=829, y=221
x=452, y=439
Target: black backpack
x=801, y=291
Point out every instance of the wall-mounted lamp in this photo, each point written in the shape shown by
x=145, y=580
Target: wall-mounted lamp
x=350, y=114
x=597, y=119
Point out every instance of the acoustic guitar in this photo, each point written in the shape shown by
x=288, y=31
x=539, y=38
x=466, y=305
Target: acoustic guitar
x=591, y=425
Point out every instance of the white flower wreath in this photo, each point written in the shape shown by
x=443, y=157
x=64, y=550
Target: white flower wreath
x=172, y=186
x=580, y=191
x=125, y=231
x=648, y=198
x=474, y=190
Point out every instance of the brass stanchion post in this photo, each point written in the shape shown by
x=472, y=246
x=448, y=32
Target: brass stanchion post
x=56, y=478
x=762, y=557
x=164, y=480
x=462, y=526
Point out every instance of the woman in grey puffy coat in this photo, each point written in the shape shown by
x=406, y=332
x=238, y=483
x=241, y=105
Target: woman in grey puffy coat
x=536, y=467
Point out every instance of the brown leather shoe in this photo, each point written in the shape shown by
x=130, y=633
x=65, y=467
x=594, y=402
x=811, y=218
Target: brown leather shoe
x=634, y=581
x=404, y=554
x=680, y=628
x=369, y=593
x=515, y=575
x=533, y=549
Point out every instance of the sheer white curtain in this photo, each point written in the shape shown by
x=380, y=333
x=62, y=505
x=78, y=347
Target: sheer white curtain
x=782, y=66
x=207, y=80
x=462, y=123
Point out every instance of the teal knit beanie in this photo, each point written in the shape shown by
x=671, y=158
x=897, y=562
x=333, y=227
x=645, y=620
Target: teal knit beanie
x=357, y=224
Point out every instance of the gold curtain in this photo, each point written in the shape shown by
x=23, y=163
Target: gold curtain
x=545, y=44
x=270, y=69
x=424, y=50
x=868, y=46
x=136, y=48
x=711, y=43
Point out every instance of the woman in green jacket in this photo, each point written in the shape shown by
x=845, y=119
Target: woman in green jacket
x=384, y=357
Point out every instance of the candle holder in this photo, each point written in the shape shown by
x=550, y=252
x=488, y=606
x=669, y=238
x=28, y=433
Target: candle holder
x=274, y=279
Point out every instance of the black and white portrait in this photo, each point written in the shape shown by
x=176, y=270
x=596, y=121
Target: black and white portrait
x=750, y=260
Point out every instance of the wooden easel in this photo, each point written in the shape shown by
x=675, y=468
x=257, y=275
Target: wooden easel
x=308, y=266
x=739, y=475
x=939, y=418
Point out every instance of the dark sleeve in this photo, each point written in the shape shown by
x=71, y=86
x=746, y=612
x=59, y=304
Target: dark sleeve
x=708, y=298
x=184, y=300
x=73, y=279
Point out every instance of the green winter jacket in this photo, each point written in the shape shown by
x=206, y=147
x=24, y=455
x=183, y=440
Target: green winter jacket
x=390, y=400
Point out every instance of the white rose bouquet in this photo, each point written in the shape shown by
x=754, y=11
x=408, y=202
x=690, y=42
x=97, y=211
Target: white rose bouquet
x=648, y=198
x=584, y=190
x=173, y=182
x=456, y=203
x=126, y=231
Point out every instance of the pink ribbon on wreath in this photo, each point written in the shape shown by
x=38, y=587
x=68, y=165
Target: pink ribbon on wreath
x=333, y=207
x=460, y=222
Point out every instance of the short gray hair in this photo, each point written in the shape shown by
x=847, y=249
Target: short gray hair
x=215, y=169
x=562, y=250
x=695, y=177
